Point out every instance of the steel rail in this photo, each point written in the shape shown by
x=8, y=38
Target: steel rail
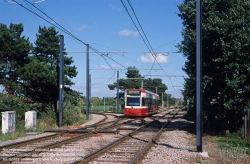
x=146, y=148
x=138, y=156
x=98, y=152
x=39, y=149
x=24, y=143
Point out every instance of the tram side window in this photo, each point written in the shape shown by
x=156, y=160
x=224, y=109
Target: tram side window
x=133, y=101
x=150, y=101
x=144, y=101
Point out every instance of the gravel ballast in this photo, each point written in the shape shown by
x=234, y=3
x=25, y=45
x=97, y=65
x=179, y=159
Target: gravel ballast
x=172, y=147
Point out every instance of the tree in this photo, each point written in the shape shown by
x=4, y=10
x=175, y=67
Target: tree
x=154, y=85
x=96, y=101
x=109, y=101
x=226, y=73
x=14, y=51
x=134, y=80
x=42, y=71
x=169, y=100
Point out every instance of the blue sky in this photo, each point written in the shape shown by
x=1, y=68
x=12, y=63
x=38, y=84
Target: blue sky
x=106, y=26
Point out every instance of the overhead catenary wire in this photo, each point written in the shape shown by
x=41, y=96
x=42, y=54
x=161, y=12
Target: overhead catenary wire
x=67, y=32
x=28, y=5
x=63, y=29
x=153, y=53
x=148, y=46
x=150, y=49
x=71, y=35
x=140, y=25
x=109, y=79
x=36, y=2
x=167, y=43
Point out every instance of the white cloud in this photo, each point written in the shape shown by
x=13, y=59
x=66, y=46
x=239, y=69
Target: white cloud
x=104, y=67
x=113, y=66
x=127, y=32
x=150, y=59
x=114, y=7
x=79, y=28
x=162, y=58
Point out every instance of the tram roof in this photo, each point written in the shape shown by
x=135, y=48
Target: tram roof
x=142, y=90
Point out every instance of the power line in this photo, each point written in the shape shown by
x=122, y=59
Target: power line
x=167, y=43
x=169, y=75
x=93, y=49
x=67, y=32
x=151, y=50
x=123, y=69
x=140, y=25
x=108, y=52
x=135, y=25
x=61, y=28
x=109, y=79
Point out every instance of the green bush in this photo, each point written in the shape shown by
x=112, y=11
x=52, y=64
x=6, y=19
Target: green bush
x=10, y=103
x=71, y=115
x=49, y=115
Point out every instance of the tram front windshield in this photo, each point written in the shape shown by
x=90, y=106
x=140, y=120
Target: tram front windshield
x=133, y=101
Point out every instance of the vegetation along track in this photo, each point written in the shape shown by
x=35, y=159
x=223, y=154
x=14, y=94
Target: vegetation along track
x=30, y=150
x=131, y=147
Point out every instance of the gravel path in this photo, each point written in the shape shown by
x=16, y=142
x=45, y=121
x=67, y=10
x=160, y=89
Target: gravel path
x=172, y=147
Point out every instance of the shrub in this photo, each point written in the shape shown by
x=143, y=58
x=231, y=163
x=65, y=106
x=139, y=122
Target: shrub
x=49, y=115
x=11, y=103
x=70, y=115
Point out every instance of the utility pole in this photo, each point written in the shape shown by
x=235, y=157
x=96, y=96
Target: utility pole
x=167, y=100
x=87, y=82
x=90, y=101
x=104, y=102
x=117, y=97
x=162, y=104
x=199, y=110
x=161, y=99
x=61, y=77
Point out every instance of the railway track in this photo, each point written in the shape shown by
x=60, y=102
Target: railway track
x=30, y=149
x=65, y=146
x=130, y=148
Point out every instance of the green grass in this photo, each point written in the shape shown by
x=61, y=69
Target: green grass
x=20, y=131
x=234, y=142
x=42, y=125
x=107, y=108
x=101, y=108
x=198, y=161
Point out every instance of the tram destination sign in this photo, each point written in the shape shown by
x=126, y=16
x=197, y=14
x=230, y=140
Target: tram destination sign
x=133, y=93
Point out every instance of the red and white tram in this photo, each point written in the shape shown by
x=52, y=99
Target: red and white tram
x=140, y=102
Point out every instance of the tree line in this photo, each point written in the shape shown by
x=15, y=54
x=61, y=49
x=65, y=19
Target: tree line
x=30, y=71
x=135, y=80
x=225, y=62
